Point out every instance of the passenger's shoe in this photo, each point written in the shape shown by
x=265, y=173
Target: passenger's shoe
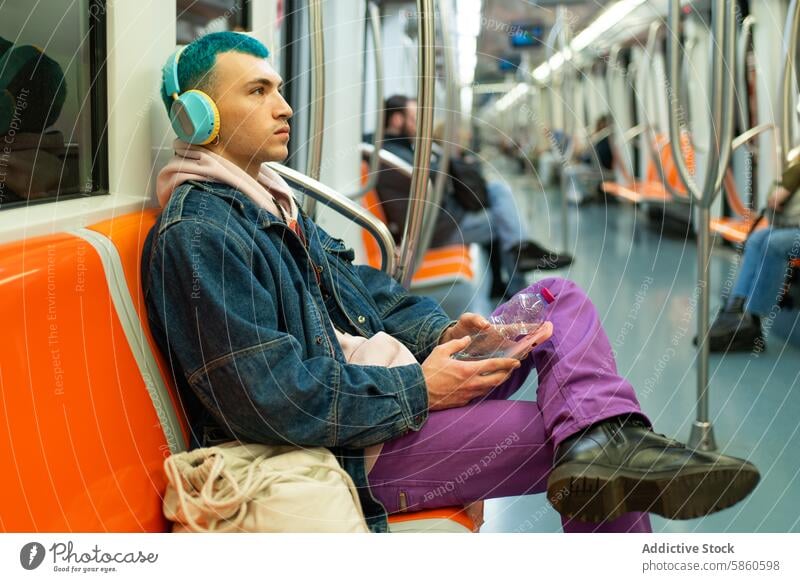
x=735, y=330
x=528, y=256
x=617, y=466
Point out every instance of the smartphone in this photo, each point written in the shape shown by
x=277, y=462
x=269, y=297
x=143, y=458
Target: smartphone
x=493, y=343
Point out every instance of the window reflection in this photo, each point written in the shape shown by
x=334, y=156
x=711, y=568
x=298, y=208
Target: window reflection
x=46, y=143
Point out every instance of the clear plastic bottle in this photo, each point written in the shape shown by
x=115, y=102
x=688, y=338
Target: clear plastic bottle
x=519, y=317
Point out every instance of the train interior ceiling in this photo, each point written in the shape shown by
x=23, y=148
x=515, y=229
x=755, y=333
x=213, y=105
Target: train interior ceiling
x=531, y=89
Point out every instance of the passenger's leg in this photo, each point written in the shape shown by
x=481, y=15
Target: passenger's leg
x=484, y=450
x=512, y=228
x=496, y=448
x=752, y=258
x=578, y=380
x=780, y=246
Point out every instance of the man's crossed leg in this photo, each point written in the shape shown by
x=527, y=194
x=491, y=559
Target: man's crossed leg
x=609, y=466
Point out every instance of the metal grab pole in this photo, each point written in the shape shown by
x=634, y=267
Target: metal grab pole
x=451, y=119
x=789, y=45
x=561, y=15
x=723, y=29
x=558, y=35
x=422, y=143
x=317, y=98
x=377, y=51
x=741, y=73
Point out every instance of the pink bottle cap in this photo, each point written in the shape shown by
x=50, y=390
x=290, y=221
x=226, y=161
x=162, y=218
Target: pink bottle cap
x=546, y=295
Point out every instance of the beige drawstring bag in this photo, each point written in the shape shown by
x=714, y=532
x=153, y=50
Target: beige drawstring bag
x=236, y=487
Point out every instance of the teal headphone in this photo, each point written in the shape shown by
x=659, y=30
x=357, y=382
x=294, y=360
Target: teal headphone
x=10, y=65
x=194, y=115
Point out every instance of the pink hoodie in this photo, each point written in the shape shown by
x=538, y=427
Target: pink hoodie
x=192, y=162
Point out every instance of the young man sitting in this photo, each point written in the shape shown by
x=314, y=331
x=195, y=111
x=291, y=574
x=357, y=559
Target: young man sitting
x=275, y=336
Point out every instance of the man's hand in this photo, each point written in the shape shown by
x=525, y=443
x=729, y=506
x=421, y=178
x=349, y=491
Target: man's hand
x=468, y=324
x=777, y=198
x=452, y=383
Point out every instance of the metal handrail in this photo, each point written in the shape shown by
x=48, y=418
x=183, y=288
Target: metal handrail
x=727, y=99
x=741, y=71
x=723, y=30
x=450, y=126
x=377, y=138
x=748, y=135
x=343, y=205
x=789, y=44
x=317, y=98
x=422, y=143
x=634, y=131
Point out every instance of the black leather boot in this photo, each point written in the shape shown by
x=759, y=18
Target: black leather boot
x=529, y=256
x=617, y=466
x=735, y=330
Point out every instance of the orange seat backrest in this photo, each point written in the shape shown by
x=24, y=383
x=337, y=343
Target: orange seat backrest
x=85, y=445
x=438, y=265
x=668, y=162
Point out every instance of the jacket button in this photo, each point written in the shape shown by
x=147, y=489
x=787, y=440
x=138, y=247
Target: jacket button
x=318, y=339
x=361, y=319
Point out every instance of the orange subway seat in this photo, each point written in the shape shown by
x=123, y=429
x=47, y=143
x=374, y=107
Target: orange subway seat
x=652, y=189
x=128, y=233
x=455, y=518
x=85, y=446
x=439, y=265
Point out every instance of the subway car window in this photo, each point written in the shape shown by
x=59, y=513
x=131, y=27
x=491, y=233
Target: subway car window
x=52, y=107
x=199, y=17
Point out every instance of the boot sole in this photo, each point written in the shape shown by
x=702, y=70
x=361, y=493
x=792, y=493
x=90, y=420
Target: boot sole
x=594, y=493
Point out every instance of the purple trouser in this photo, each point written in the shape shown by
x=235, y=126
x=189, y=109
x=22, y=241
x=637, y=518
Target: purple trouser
x=496, y=447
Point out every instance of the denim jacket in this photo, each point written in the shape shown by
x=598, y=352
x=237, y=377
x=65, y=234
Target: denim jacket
x=243, y=313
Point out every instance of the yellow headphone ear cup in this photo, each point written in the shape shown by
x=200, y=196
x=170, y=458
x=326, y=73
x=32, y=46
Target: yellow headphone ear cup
x=195, y=117
x=217, y=120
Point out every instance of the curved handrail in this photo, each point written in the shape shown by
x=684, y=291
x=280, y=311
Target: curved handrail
x=656, y=149
x=317, y=99
x=728, y=29
x=377, y=51
x=346, y=207
x=741, y=71
x=789, y=46
x=450, y=126
x=674, y=81
x=422, y=143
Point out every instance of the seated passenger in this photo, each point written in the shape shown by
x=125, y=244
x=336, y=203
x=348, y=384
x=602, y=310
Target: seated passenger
x=275, y=336
x=759, y=285
x=455, y=224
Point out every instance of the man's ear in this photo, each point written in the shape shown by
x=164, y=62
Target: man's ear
x=396, y=120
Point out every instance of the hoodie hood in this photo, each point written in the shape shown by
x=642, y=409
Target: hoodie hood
x=192, y=162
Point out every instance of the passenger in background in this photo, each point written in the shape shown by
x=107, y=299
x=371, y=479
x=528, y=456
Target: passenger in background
x=33, y=161
x=475, y=193
x=760, y=283
x=459, y=222
x=275, y=336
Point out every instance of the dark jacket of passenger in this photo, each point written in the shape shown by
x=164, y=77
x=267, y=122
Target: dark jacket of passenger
x=393, y=190
x=233, y=302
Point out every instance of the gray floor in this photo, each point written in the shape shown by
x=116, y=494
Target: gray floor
x=643, y=285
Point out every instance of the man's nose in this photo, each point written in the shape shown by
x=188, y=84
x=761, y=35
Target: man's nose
x=284, y=110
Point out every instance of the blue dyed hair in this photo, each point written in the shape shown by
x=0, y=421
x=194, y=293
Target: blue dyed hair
x=198, y=58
